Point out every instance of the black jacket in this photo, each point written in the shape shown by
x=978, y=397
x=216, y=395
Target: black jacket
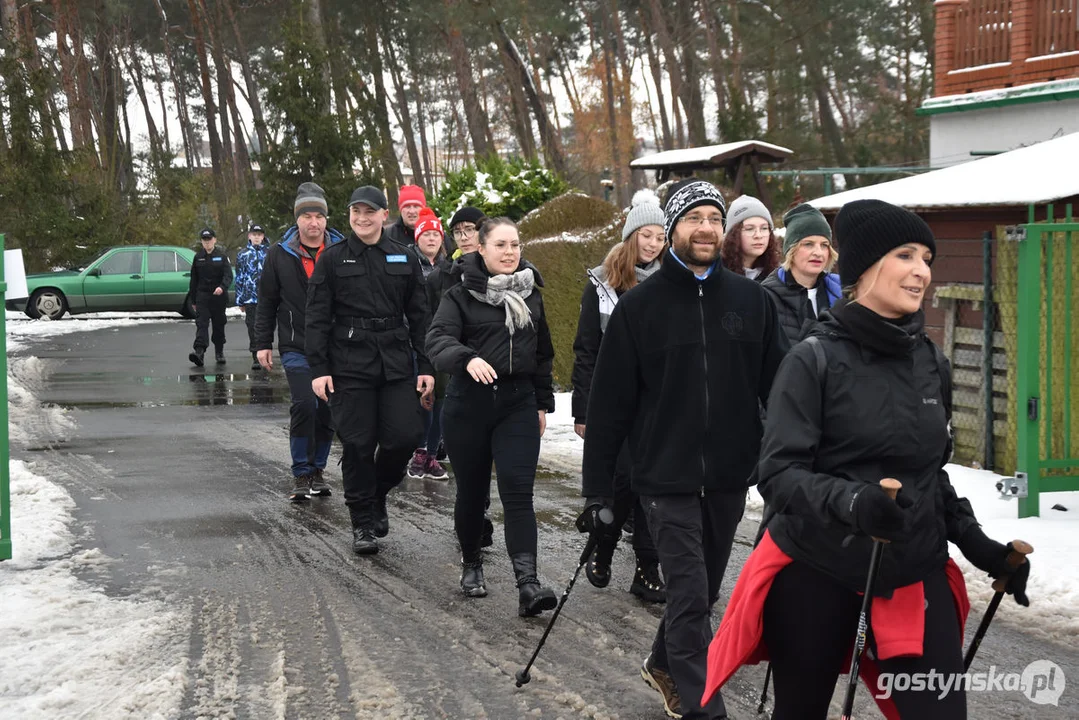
x=357, y=302
x=682, y=368
x=585, y=350
x=871, y=416
x=465, y=328
x=792, y=301
x=210, y=271
x=283, y=294
x=442, y=278
x=400, y=233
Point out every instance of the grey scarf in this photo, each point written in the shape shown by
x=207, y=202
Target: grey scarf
x=510, y=292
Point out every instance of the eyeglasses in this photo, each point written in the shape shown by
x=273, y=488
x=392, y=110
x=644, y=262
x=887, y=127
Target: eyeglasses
x=755, y=230
x=697, y=220
x=460, y=232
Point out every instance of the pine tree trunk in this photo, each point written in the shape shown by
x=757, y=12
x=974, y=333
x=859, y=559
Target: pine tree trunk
x=224, y=84
x=475, y=117
x=674, y=72
x=552, y=143
x=249, y=80
x=390, y=167
x=657, y=80
x=33, y=60
x=715, y=57
x=403, y=110
x=612, y=119
x=191, y=157
x=420, y=114
x=164, y=107
x=522, y=124
x=690, y=90
x=318, y=35
x=67, y=74
x=112, y=149
x=209, y=107
x=134, y=69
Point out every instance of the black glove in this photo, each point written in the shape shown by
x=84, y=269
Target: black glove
x=991, y=557
x=874, y=513
x=597, y=516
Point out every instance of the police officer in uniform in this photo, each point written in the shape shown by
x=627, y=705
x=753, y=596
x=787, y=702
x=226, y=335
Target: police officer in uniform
x=211, y=275
x=360, y=349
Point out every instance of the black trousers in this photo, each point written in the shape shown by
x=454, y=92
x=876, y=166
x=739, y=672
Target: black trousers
x=493, y=423
x=626, y=502
x=249, y=317
x=209, y=308
x=808, y=642
x=693, y=537
x=385, y=417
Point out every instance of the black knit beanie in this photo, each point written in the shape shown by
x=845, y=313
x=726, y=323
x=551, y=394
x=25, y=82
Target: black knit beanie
x=686, y=195
x=867, y=230
x=467, y=214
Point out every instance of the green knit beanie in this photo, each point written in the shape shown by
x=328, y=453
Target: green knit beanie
x=802, y=222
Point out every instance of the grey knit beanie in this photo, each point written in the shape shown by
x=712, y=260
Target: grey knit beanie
x=310, y=198
x=745, y=208
x=645, y=210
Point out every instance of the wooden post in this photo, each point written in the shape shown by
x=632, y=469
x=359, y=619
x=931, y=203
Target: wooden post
x=1022, y=39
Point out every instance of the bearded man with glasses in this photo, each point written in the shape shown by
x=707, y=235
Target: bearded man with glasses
x=685, y=360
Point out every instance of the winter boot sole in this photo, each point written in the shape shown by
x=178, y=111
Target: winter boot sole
x=195, y=360
x=321, y=492
x=648, y=679
x=299, y=498
x=648, y=595
x=477, y=592
x=537, y=606
x=365, y=550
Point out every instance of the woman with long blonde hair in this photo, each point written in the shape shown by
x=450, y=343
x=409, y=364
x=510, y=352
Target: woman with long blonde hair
x=628, y=263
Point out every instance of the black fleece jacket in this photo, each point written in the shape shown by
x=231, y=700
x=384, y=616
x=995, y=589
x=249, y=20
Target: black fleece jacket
x=465, y=328
x=872, y=416
x=681, y=370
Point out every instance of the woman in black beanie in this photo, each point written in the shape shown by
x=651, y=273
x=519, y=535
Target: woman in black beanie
x=867, y=398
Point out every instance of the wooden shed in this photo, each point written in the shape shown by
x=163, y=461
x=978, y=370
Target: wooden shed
x=961, y=203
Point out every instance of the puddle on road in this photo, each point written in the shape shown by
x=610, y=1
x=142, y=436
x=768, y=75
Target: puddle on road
x=202, y=389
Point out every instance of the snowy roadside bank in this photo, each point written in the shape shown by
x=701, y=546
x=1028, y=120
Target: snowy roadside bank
x=70, y=650
x=1054, y=583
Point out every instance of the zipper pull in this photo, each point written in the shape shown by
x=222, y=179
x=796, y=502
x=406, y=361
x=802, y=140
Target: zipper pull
x=700, y=290
x=702, y=490
x=350, y=331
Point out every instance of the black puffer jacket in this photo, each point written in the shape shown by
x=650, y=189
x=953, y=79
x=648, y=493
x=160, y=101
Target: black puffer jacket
x=792, y=301
x=465, y=328
x=872, y=416
x=442, y=278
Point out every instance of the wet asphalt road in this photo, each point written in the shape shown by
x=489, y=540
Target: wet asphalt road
x=180, y=477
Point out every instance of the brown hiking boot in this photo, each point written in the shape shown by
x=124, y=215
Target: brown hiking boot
x=661, y=681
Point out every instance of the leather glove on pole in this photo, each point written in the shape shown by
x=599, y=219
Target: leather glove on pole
x=597, y=516
x=877, y=515
x=991, y=557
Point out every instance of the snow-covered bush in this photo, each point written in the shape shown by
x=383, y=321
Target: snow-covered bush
x=498, y=187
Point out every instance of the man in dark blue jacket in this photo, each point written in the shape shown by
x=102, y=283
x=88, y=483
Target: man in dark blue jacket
x=685, y=360
x=282, y=302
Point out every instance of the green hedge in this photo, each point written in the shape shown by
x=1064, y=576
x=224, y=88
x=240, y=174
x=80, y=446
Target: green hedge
x=566, y=213
x=562, y=263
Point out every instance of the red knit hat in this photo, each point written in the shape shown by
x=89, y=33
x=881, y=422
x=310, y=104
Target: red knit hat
x=411, y=195
x=428, y=221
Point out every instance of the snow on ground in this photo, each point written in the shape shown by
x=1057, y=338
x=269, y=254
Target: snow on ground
x=70, y=650
x=1053, y=587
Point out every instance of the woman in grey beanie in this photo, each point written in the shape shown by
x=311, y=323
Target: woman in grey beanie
x=629, y=262
x=750, y=246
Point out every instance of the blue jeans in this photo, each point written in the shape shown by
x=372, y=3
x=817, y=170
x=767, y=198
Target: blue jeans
x=311, y=424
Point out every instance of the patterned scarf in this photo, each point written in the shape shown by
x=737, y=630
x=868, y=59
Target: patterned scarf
x=510, y=292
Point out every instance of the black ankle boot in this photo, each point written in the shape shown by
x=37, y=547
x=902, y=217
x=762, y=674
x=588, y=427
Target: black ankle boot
x=598, y=568
x=647, y=583
x=533, y=598
x=472, y=584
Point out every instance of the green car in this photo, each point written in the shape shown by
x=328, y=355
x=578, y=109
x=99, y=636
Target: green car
x=125, y=279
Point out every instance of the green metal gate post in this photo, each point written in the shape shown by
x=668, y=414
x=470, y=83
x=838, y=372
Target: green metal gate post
x=1029, y=336
x=5, y=469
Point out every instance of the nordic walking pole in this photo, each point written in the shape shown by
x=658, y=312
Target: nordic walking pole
x=890, y=486
x=1016, y=557
x=607, y=518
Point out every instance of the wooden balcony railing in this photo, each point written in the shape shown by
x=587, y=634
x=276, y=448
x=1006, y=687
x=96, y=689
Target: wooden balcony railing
x=1056, y=27
x=992, y=44
x=982, y=33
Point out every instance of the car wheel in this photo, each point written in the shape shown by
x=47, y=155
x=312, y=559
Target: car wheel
x=48, y=303
x=188, y=310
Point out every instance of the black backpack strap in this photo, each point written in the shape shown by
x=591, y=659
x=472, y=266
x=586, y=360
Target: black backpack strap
x=818, y=351
x=944, y=371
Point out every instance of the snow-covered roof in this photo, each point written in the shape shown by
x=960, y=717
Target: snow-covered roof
x=715, y=155
x=1032, y=175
